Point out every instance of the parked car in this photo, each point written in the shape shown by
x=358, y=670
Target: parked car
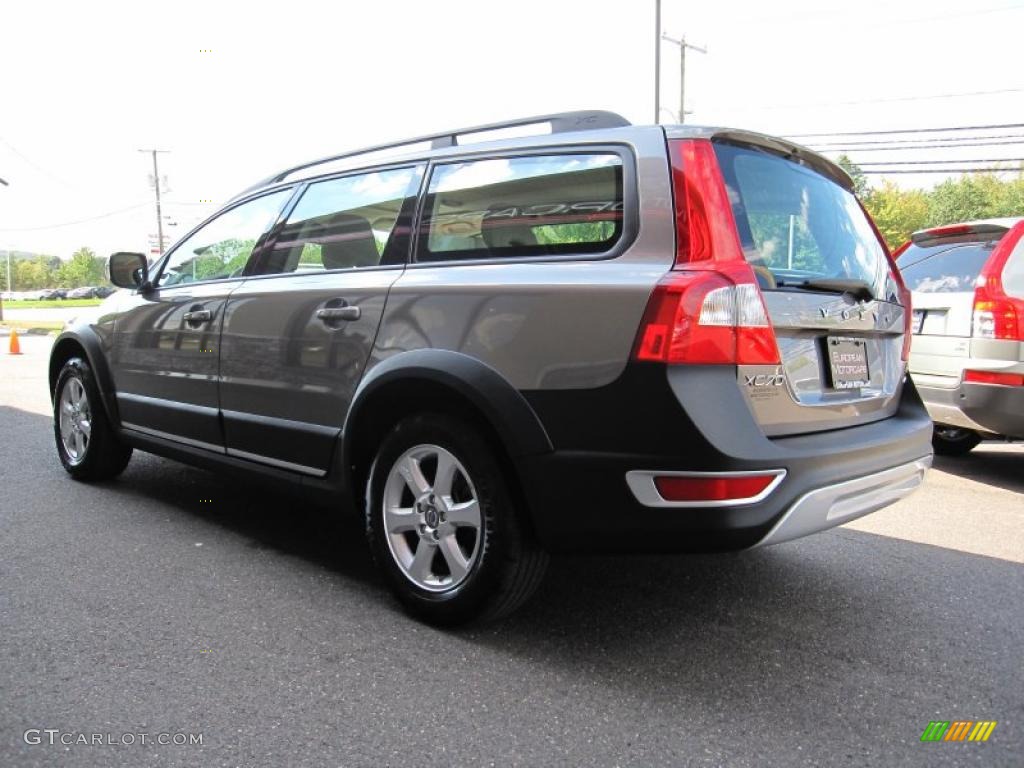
x=602, y=338
x=85, y=292
x=102, y=291
x=52, y=293
x=34, y=295
x=967, y=358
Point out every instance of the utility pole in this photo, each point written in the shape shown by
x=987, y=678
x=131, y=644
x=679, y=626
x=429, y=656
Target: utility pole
x=159, y=213
x=683, y=45
x=657, y=61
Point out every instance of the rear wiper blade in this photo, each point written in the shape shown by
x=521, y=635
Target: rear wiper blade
x=859, y=289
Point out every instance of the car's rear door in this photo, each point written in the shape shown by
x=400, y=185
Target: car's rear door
x=828, y=288
x=166, y=349
x=942, y=277
x=298, y=332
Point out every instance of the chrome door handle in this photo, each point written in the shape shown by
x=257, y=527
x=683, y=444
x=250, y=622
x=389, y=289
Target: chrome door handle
x=197, y=316
x=338, y=313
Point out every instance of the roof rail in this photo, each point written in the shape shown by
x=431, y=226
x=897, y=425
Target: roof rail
x=562, y=122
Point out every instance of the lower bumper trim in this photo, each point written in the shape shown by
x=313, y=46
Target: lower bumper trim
x=834, y=505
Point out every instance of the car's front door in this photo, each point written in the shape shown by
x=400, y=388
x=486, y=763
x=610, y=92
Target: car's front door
x=297, y=334
x=167, y=339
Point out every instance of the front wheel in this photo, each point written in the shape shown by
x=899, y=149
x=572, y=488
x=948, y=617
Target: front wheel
x=443, y=526
x=953, y=441
x=86, y=443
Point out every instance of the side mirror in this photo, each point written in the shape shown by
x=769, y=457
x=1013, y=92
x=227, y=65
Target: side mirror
x=128, y=270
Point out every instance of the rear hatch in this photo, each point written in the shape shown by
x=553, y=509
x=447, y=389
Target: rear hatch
x=828, y=288
x=941, y=268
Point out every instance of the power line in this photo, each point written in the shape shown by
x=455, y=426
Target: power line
x=892, y=100
x=941, y=162
x=36, y=167
x=78, y=221
x=999, y=126
x=923, y=142
x=948, y=171
x=927, y=146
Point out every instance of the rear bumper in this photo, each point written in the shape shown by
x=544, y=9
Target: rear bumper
x=837, y=504
x=582, y=500
x=987, y=408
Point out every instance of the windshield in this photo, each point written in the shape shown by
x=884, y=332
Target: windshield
x=796, y=225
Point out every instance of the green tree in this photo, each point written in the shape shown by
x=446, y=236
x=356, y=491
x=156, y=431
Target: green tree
x=32, y=273
x=975, y=196
x=897, y=212
x=83, y=268
x=860, y=181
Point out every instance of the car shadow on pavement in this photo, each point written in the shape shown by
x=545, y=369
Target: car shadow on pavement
x=267, y=518
x=996, y=464
x=805, y=619
x=799, y=618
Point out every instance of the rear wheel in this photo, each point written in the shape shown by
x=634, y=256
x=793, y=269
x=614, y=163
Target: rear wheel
x=86, y=443
x=443, y=526
x=953, y=441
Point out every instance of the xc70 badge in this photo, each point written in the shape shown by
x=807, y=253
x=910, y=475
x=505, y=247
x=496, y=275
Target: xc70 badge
x=776, y=379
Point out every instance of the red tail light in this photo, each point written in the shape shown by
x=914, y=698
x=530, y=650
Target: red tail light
x=996, y=314
x=709, y=308
x=995, y=377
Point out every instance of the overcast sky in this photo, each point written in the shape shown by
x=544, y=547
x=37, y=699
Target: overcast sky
x=83, y=86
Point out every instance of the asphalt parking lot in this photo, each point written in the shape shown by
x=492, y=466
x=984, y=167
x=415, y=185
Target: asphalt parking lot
x=173, y=602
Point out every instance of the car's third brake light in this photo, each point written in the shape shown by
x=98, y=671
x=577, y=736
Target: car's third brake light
x=708, y=308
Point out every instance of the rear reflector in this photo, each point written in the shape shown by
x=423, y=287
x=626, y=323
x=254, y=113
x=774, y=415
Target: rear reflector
x=995, y=377
x=712, y=488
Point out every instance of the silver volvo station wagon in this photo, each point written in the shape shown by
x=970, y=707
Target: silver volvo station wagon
x=599, y=337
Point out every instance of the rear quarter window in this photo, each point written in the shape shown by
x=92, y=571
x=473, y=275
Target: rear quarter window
x=539, y=205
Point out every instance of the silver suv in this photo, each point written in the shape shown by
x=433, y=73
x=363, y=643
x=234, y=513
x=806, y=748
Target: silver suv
x=599, y=337
x=967, y=357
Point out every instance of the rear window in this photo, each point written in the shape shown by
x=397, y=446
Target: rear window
x=540, y=205
x=943, y=268
x=797, y=225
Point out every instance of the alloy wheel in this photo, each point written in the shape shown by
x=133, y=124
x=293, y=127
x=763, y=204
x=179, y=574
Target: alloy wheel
x=432, y=518
x=75, y=420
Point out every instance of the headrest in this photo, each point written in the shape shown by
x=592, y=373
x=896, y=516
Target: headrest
x=506, y=231
x=348, y=242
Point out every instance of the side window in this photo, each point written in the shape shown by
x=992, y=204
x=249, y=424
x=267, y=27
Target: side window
x=347, y=223
x=223, y=246
x=540, y=205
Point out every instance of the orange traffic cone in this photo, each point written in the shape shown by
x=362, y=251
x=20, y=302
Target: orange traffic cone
x=15, y=345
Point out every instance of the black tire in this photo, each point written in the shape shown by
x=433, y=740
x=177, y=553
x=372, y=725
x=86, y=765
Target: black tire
x=953, y=441
x=103, y=456
x=507, y=565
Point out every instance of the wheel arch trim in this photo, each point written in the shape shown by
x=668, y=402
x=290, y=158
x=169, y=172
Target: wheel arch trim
x=89, y=342
x=517, y=425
